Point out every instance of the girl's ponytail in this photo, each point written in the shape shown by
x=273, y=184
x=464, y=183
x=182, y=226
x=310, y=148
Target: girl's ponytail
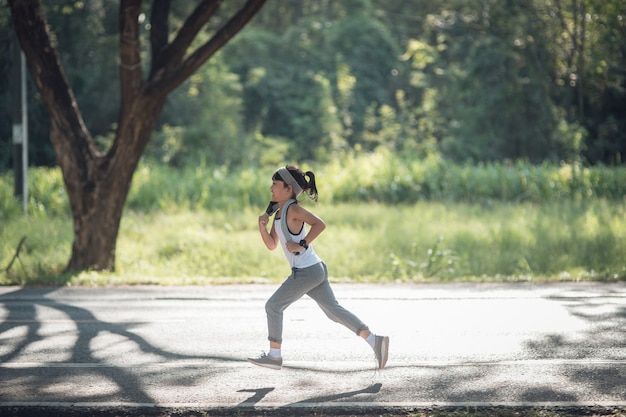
x=311, y=187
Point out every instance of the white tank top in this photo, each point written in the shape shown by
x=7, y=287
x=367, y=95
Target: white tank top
x=306, y=258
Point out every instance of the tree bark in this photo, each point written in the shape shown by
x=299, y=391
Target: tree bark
x=98, y=184
x=97, y=205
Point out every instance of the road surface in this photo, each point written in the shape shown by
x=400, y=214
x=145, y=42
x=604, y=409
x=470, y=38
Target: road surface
x=465, y=345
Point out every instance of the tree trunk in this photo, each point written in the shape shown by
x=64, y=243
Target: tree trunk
x=96, y=229
x=97, y=201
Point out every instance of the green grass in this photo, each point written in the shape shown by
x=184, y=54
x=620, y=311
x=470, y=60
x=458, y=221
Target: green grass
x=388, y=220
x=421, y=242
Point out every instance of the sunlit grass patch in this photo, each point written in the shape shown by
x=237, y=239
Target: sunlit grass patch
x=422, y=242
x=388, y=220
x=43, y=254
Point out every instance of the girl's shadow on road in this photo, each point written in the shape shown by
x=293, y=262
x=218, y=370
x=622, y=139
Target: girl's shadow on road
x=260, y=393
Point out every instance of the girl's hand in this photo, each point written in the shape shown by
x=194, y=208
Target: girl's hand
x=294, y=247
x=269, y=236
x=263, y=219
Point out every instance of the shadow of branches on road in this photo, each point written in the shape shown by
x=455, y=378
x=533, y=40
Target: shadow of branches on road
x=603, y=340
x=566, y=366
x=24, y=327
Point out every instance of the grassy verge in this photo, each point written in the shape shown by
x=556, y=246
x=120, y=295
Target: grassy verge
x=388, y=220
x=421, y=242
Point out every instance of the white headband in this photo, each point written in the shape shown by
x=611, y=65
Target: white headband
x=290, y=180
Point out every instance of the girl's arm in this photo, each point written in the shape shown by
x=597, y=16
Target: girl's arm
x=269, y=238
x=299, y=215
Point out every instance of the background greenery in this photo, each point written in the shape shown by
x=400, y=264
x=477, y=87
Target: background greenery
x=388, y=220
x=453, y=139
x=471, y=80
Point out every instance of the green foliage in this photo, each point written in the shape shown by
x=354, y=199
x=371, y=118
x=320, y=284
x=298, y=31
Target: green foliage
x=492, y=95
x=439, y=263
x=47, y=196
x=370, y=55
x=202, y=120
x=366, y=177
x=199, y=187
x=389, y=219
x=385, y=178
x=286, y=92
x=473, y=80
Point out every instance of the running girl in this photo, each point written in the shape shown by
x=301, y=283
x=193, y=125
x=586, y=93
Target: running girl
x=294, y=228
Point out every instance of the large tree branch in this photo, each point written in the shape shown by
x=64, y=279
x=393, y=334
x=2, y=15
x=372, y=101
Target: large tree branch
x=72, y=142
x=170, y=55
x=159, y=31
x=131, y=75
x=167, y=79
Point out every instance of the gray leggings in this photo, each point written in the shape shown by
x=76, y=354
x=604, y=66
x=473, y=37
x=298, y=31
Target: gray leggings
x=312, y=281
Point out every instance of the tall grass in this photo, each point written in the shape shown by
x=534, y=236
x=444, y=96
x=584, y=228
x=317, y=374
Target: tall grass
x=421, y=242
x=387, y=220
x=382, y=177
x=378, y=177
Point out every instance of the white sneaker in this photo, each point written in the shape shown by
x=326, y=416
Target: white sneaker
x=267, y=362
x=381, y=350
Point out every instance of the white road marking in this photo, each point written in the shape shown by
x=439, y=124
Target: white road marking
x=324, y=404
x=93, y=321
x=314, y=365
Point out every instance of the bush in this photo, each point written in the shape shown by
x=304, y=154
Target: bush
x=368, y=177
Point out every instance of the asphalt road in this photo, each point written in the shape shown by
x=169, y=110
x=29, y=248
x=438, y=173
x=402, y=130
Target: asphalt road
x=469, y=345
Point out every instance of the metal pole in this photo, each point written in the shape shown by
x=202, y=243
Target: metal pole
x=20, y=126
x=25, y=135
x=18, y=139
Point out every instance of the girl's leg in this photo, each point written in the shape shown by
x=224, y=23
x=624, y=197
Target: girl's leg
x=290, y=291
x=295, y=286
x=325, y=298
x=314, y=282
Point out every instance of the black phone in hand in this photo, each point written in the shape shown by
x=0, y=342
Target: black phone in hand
x=272, y=208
